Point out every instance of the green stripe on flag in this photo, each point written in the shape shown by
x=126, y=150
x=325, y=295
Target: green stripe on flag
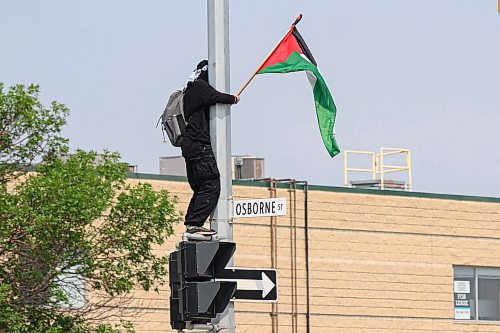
x=325, y=107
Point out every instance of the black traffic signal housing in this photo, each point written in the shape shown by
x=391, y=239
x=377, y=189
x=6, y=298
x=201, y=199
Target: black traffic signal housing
x=195, y=295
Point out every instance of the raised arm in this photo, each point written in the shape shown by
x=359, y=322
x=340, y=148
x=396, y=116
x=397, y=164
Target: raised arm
x=211, y=96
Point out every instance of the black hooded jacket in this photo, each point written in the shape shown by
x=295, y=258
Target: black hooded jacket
x=198, y=97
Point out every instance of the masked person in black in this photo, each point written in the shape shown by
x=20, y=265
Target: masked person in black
x=201, y=166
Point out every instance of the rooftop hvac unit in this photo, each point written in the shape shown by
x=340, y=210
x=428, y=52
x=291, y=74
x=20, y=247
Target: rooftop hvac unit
x=246, y=167
x=173, y=166
x=243, y=167
x=133, y=168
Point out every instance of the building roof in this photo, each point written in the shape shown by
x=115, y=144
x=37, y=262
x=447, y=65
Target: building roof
x=266, y=183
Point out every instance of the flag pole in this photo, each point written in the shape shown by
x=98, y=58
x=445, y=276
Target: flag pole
x=270, y=53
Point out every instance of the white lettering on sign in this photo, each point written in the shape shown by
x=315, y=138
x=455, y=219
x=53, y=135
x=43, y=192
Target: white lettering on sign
x=260, y=207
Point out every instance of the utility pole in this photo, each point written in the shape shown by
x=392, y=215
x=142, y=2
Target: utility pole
x=220, y=131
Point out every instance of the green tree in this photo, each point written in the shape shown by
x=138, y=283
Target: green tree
x=75, y=226
x=28, y=130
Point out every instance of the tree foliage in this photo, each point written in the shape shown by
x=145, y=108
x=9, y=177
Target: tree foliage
x=28, y=130
x=72, y=228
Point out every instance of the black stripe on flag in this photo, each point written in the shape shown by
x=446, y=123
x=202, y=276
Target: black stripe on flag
x=303, y=46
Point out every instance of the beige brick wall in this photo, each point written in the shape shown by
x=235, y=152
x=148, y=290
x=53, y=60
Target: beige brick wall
x=378, y=263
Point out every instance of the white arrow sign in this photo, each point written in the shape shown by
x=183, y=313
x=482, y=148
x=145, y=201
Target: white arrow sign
x=265, y=284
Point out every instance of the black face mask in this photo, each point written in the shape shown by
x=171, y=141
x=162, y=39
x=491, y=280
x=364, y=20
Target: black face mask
x=203, y=76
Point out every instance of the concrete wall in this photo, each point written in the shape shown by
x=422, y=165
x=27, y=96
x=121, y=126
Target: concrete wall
x=380, y=262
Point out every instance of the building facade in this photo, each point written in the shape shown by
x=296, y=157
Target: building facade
x=368, y=261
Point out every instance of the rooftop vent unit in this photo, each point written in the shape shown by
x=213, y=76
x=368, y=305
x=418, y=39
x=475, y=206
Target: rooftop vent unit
x=247, y=167
x=243, y=167
x=133, y=168
x=173, y=166
x=377, y=185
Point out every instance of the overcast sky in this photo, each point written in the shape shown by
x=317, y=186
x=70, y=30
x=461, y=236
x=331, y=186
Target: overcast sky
x=423, y=75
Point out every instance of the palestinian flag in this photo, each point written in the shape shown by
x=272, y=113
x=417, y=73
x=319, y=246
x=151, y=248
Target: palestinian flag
x=293, y=55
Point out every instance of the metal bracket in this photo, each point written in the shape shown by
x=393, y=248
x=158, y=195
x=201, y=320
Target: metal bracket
x=230, y=208
x=200, y=328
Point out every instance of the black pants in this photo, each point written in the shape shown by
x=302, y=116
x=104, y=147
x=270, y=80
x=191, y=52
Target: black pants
x=204, y=179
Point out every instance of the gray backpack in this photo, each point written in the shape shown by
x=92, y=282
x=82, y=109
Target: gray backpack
x=172, y=119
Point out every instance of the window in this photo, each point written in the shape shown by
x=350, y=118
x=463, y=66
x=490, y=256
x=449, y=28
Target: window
x=476, y=286
x=72, y=285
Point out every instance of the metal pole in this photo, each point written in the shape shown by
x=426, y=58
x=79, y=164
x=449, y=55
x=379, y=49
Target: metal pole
x=220, y=131
x=408, y=164
x=345, y=168
x=382, y=168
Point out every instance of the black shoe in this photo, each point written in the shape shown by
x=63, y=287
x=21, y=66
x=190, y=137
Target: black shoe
x=191, y=229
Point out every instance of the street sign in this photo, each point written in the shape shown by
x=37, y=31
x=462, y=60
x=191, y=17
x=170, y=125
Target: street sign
x=252, y=284
x=260, y=207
